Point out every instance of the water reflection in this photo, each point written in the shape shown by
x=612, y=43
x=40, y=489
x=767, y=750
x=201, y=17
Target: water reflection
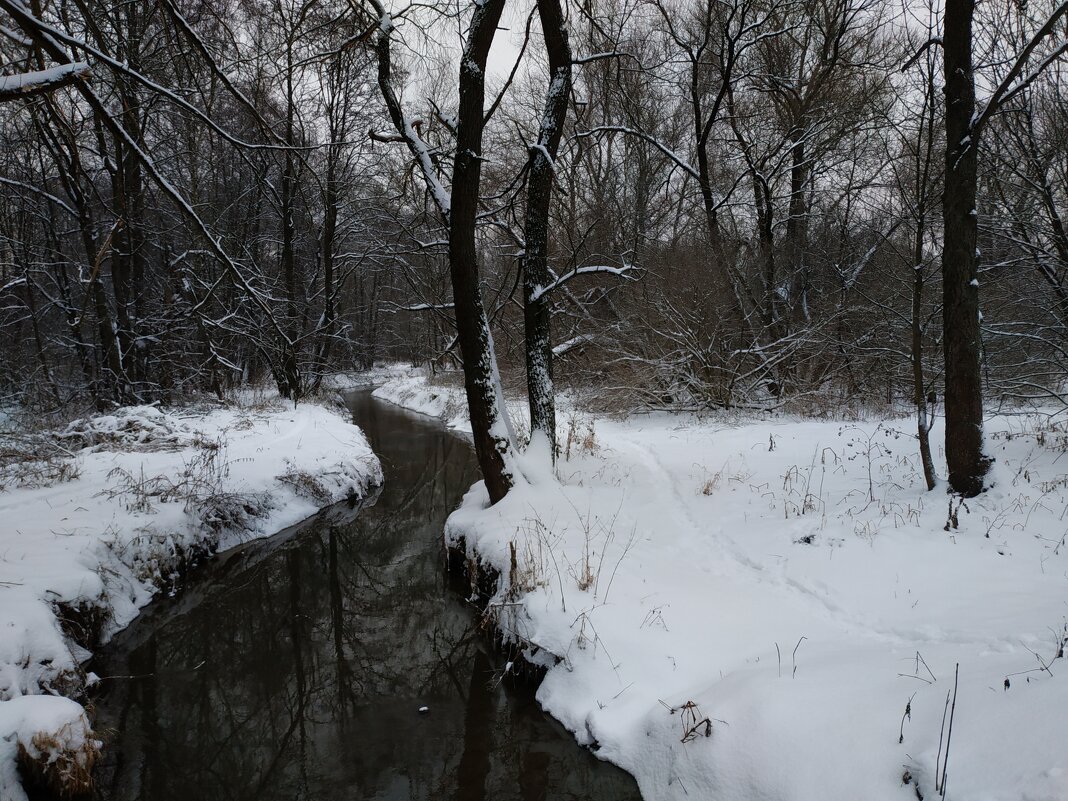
x=297, y=670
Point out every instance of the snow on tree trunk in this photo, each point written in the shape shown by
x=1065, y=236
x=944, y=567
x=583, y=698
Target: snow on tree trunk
x=536, y=274
x=494, y=443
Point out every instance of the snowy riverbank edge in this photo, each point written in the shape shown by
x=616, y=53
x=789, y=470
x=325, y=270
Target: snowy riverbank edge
x=776, y=608
x=88, y=541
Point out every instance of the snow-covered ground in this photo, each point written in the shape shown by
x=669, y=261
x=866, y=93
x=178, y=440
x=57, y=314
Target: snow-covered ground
x=776, y=609
x=88, y=538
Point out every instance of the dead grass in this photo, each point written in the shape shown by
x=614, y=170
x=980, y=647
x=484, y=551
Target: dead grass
x=580, y=437
x=34, y=460
x=57, y=769
x=84, y=620
x=304, y=483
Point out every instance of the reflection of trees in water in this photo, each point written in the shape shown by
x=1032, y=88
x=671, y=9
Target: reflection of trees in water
x=301, y=675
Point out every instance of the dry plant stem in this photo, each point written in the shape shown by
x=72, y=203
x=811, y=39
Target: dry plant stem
x=626, y=550
x=559, y=579
x=921, y=660
x=949, y=732
x=907, y=714
x=793, y=657
x=941, y=736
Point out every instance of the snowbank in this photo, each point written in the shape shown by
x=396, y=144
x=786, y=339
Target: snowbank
x=777, y=609
x=90, y=537
x=409, y=387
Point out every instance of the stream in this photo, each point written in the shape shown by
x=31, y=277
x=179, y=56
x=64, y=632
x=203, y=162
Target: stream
x=296, y=667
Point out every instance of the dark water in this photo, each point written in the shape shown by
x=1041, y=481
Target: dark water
x=295, y=668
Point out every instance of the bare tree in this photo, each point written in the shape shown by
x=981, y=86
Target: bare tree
x=968, y=463
x=537, y=276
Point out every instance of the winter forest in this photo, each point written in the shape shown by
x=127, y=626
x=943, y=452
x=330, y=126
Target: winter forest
x=658, y=399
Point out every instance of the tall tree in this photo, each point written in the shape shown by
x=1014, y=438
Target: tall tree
x=491, y=428
x=537, y=276
x=968, y=463
x=494, y=440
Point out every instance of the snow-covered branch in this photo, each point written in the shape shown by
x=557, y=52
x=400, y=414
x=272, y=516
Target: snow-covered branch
x=622, y=272
x=407, y=131
x=48, y=196
x=667, y=151
x=415, y=307
x=593, y=57
x=28, y=84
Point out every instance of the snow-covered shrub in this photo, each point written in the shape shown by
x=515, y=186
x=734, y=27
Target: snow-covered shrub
x=144, y=428
x=34, y=462
x=304, y=483
x=580, y=437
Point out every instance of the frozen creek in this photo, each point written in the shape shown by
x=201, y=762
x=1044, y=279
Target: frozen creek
x=296, y=667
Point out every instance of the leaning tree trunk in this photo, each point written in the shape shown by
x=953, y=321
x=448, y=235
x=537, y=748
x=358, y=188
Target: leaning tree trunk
x=960, y=285
x=925, y=157
x=537, y=312
x=489, y=426
x=919, y=388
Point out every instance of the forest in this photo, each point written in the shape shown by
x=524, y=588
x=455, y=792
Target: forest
x=698, y=205
x=548, y=224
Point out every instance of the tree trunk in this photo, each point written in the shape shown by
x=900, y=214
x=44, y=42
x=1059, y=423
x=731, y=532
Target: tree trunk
x=288, y=372
x=537, y=313
x=489, y=426
x=797, y=226
x=327, y=246
x=960, y=285
x=919, y=391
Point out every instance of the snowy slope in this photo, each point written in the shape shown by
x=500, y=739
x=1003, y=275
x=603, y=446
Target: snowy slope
x=408, y=387
x=791, y=583
x=151, y=490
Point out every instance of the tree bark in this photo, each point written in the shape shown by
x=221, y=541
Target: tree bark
x=797, y=226
x=960, y=285
x=919, y=390
x=537, y=315
x=488, y=424
x=289, y=373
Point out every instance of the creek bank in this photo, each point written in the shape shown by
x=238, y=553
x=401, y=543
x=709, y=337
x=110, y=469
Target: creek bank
x=300, y=670
x=776, y=607
x=132, y=499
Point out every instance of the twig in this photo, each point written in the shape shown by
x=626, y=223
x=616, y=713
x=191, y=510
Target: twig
x=626, y=550
x=941, y=734
x=921, y=660
x=908, y=714
x=949, y=733
x=793, y=657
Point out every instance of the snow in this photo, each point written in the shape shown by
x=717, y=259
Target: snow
x=409, y=388
x=541, y=291
x=35, y=79
x=47, y=728
x=143, y=492
x=571, y=344
x=792, y=582
x=544, y=151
